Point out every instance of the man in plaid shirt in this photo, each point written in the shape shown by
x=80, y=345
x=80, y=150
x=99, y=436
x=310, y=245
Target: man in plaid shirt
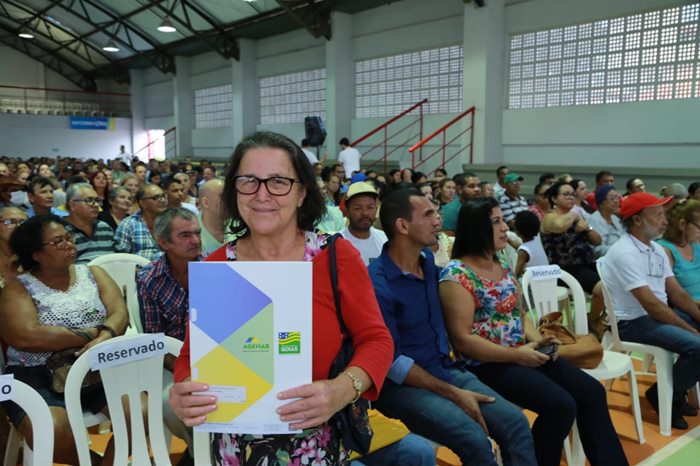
x=133, y=234
x=163, y=292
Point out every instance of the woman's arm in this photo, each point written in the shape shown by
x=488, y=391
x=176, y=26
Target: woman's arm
x=523, y=258
x=21, y=328
x=117, y=315
x=670, y=256
x=554, y=223
x=458, y=309
x=374, y=346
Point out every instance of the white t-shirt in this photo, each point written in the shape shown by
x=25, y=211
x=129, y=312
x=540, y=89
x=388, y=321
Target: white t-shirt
x=310, y=155
x=350, y=158
x=369, y=248
x=535, y=251
x=631, y=264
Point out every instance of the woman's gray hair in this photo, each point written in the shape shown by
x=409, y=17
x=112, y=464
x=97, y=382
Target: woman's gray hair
x=114, y=192
x=74, y=189
x=163, y=223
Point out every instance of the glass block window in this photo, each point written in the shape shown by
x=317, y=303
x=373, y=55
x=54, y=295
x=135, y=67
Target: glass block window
x=213, y=107
x=386, y=86
x=640, y=57
x=289, y=98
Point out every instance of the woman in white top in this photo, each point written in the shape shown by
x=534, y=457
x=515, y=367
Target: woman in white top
x=605, y=220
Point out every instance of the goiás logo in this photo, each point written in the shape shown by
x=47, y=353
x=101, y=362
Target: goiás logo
x=289, y=343
x=252, y=344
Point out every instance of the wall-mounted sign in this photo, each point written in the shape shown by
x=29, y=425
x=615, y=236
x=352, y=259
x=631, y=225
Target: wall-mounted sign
x=83, y=122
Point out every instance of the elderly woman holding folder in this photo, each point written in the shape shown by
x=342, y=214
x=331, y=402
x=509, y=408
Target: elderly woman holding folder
x=271, y=193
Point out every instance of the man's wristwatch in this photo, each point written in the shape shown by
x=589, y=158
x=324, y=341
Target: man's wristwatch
x=356, y=383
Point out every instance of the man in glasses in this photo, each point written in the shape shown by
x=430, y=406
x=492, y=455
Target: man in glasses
x=134, y=234
x=650, y=305
x=93, y=238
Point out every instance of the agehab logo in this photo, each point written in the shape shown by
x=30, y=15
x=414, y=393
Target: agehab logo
x=289, y=343
x=253, y=345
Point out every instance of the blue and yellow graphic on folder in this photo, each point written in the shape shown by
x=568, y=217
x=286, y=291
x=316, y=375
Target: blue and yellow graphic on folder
x=250, y=338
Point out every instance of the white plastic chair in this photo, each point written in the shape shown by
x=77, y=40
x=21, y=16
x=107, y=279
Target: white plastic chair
x=562, y=300
x=663, y=359
x=614, y=364
x=123, y=267
x=202, y=452
x=15, y=442
x=130, y=379
x=42, y=428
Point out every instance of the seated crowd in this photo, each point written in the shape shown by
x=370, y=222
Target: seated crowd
x=429, y=287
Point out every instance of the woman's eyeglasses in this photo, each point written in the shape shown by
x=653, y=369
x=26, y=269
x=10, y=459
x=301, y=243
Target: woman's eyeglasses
x=13, y=222
x=614, y=198
x=275, y=185
x=63, y=242
x=567, y=194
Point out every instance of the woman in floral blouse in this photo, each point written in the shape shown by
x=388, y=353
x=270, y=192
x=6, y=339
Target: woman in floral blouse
x=489, y=330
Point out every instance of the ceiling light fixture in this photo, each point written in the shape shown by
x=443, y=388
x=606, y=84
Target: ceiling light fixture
x=166, y=25
x=111, y=46
x=26, y=35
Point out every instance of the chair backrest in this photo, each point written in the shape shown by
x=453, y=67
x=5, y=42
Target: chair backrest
x=609, y=307
x=42, y=424
x=123, y=267
x=541, y=295
x=130, y=379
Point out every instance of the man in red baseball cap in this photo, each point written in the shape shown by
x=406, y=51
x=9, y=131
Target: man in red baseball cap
x=650, y=306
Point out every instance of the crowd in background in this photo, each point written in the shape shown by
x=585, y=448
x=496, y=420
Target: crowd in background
x=68, y=210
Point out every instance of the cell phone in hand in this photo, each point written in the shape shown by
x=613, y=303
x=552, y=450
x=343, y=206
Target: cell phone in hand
x=549, y=350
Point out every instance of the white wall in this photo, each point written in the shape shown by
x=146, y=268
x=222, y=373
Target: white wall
x=20, y=137
x=642, y=134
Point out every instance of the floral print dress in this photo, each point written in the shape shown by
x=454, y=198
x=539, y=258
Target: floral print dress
x=318, y=446
x=497, y=316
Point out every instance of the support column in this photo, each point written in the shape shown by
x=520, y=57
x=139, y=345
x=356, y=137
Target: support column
x=244, y=83
x=340, y=83
x=138, y=121
x=184, y=106
x=484, y=46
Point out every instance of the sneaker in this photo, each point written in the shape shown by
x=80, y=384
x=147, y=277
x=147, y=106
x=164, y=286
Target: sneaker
x=677, y=420
x=684, y=408
x=687, y=409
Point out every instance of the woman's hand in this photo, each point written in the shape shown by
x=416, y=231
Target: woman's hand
x=581, y=225
x=317, y=402
x=527, y=355
x=99, y=338
x=188, y=406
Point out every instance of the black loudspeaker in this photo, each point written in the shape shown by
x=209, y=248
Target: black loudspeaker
x=315, y=130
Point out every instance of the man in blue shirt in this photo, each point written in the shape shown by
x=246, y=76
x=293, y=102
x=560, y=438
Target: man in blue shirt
x=434, y=396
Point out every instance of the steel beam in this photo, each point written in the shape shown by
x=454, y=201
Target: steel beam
x=310, y=15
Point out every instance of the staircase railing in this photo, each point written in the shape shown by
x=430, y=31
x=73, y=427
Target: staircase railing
x=442, y=149
x=384, y=128
x=170, y=144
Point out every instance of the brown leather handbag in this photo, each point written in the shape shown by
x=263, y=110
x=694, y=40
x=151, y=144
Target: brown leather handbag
x=58, y=366
x=585, y=351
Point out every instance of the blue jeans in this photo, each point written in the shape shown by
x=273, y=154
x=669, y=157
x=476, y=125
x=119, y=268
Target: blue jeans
x=440, y=420
x=412, y=450
x=646, y=329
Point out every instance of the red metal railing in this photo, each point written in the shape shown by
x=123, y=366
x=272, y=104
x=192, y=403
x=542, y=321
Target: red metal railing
x=445, y=143
x=169, y=142
x=50, y=101
x=384, y=143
